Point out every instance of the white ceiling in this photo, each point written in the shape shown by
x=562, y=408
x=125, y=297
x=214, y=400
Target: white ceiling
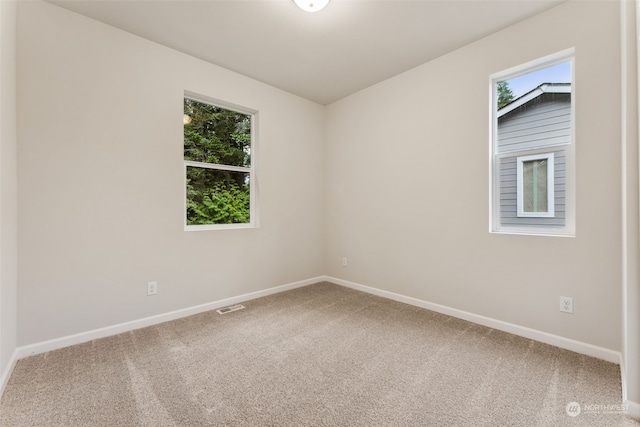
x=321, y=56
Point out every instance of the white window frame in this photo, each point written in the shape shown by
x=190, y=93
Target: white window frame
x=253, y=187
x=520, y=160
x=495, y=226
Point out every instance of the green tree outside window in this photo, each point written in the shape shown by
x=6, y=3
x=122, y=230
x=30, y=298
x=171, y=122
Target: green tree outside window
x=217, y=154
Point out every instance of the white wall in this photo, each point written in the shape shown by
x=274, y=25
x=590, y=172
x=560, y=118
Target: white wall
x=8, y=194
x=406, y=166
x=407, y=184
x=101, y=180
x=631, y=215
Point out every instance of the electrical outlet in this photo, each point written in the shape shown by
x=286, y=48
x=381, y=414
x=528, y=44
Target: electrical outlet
x=152, y=288
x=566, y=305
x=345, y=261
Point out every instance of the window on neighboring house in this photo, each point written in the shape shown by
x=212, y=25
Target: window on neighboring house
x=219, y=165
x=535, y=195
x=532, y=123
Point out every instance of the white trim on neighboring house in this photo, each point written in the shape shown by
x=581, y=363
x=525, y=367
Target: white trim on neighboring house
x=533, y=94
x=550, y=196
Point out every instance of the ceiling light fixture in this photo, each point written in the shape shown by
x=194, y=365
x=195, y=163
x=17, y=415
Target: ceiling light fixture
x=311, y=5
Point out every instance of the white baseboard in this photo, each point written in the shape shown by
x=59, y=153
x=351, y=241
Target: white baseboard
x=54, y=344
x=6, y=374
x=555, y=340
x=632, y=409
x=558, y=341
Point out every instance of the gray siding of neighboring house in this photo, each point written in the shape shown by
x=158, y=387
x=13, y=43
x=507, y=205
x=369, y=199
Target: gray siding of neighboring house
x=543, y=122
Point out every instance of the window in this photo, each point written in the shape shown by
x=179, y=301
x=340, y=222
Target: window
x=532, y=123
x=219, y=165
x=535, y=194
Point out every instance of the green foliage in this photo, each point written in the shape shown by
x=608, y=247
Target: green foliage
x=219, y=205
x=216, y=135
x=220, y=137
x=505, y=95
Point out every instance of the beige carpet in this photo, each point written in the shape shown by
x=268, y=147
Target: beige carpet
x=321, y=355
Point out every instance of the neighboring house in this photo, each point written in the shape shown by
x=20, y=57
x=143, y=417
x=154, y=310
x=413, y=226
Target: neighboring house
x=534, y=136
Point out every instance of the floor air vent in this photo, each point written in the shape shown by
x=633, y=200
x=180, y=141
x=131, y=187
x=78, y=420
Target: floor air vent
x=230, y=309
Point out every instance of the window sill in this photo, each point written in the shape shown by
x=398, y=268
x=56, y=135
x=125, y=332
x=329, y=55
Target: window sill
x=210, y=227
x=541, y=233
